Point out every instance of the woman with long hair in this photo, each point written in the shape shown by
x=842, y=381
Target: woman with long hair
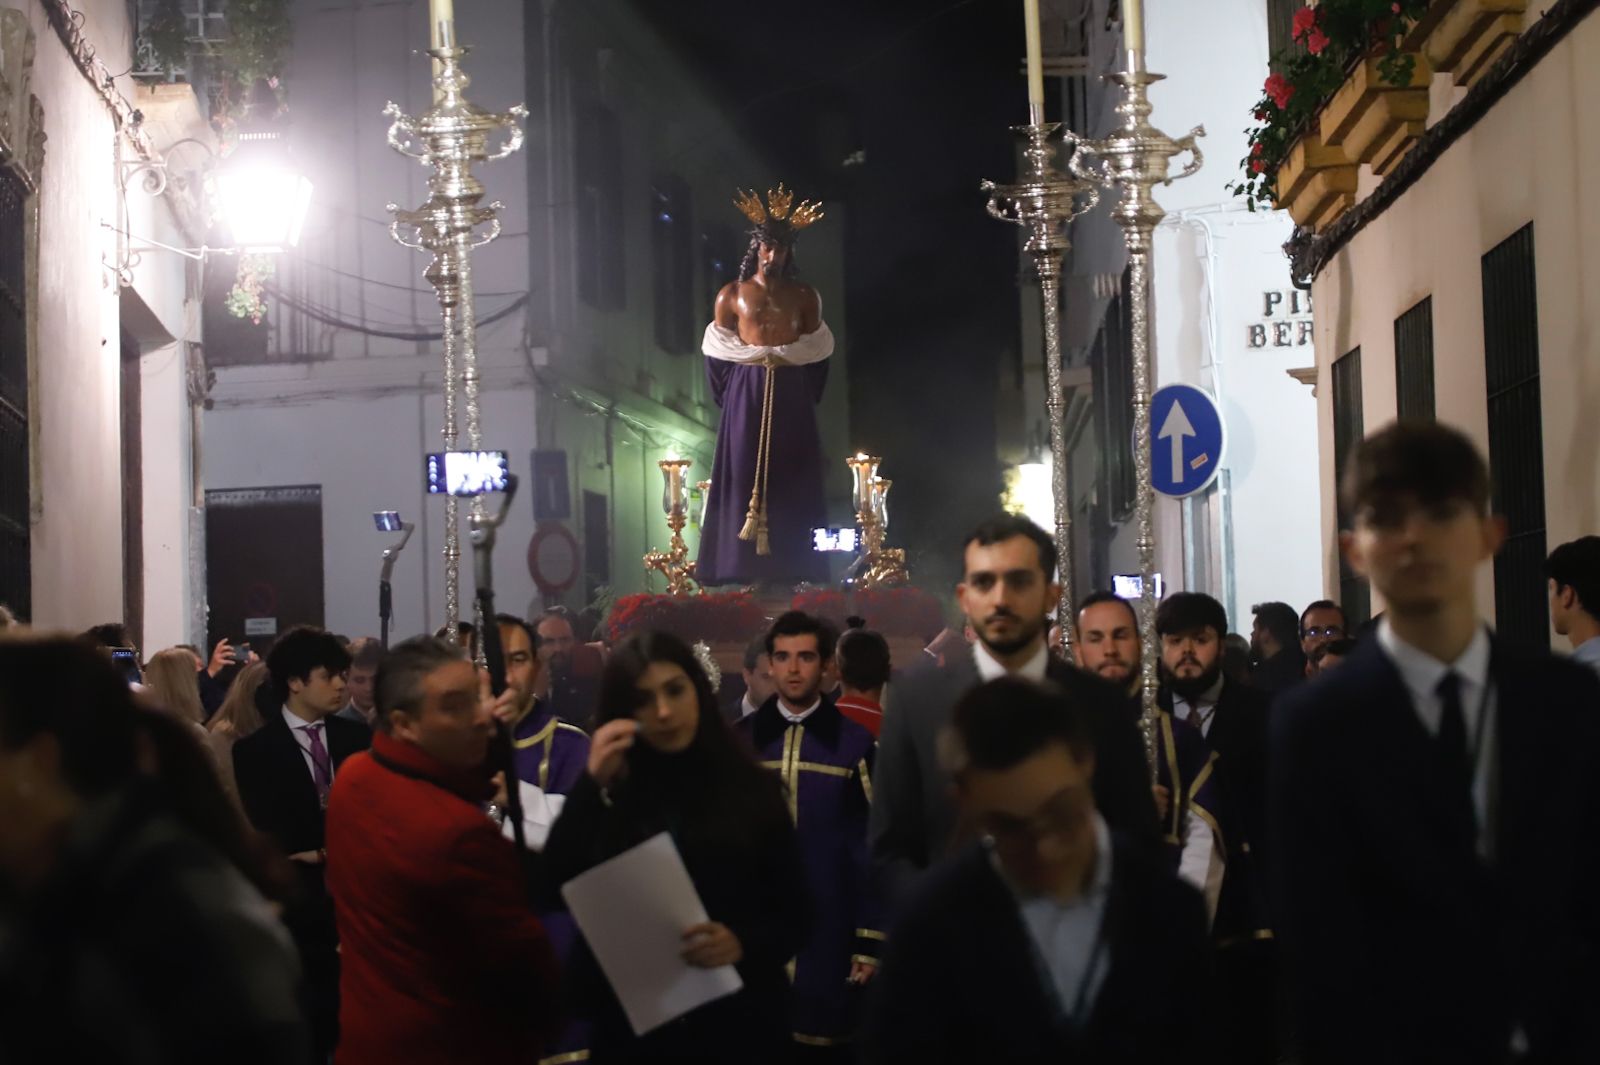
x=173, y=680
x=236, y=718
x=129, y=883
x=663, y=760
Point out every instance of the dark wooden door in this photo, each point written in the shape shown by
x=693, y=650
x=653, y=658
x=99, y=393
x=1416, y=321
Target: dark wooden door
x=263, y=562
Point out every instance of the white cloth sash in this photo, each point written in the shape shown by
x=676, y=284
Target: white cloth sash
x=724, y=344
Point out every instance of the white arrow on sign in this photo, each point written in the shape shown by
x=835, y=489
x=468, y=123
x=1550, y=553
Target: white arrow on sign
x=1176, y=425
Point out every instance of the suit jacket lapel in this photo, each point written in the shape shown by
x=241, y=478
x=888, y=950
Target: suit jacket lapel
x=298, y=784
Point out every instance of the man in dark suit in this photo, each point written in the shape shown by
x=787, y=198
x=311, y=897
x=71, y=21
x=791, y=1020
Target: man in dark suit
x=284, y=772
x=1007, y=593
x=1233, y=719
x=1433, y=806
x=1055, y=939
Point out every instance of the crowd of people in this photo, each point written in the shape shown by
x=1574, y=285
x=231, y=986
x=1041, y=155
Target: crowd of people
x=1356, y=846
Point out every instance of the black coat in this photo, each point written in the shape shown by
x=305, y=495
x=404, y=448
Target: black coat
x=960, y=982
x=747, y=869
x=1404, y=945
x=913, y=821
x=147, y=948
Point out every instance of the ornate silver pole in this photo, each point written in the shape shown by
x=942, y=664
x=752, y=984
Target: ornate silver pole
x=1044, y=203
x=451, y=138
x=1134, y=159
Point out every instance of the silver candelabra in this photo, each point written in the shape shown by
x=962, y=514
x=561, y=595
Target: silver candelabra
x=451, y=138
x=1044, y=203
x=1134, y=159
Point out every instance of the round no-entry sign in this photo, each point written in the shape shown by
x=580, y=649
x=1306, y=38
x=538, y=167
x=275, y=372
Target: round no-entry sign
x=553, y=559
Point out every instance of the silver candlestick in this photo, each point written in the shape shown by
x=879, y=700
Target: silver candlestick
x=1044, y=203
x=1134, y=159
x=452, y=137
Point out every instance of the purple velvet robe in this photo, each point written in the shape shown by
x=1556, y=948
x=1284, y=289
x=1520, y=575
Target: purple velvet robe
x=795, y=502
x=826, y=765
x=549, y=753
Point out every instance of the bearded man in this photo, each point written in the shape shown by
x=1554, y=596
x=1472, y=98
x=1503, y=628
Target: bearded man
x=1233, y=719
x=766, y=362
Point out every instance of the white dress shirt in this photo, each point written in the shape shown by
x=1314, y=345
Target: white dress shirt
x=746, y=707
x=1422, y=673
x=794, y=718
x=297, y=729
x=990, y=669
x=1066, y=936
x=1201, y=709
x=1588, y=652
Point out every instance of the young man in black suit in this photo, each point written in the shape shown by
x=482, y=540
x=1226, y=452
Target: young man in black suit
x=1433, y=804
x=284, y=771
x=1053, y=939
x=1007, y=594
x=1233, y=719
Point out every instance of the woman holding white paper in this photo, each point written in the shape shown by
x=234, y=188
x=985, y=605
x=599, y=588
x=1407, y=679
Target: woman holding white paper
x=663, y=760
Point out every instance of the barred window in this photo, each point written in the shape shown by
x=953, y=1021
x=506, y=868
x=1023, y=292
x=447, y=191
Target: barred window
x=601, y=253
x=1354, y=593
x=1112, y=359
x=16, y=584
x=1516, y=437
x=672, y=254
x=1413, y=361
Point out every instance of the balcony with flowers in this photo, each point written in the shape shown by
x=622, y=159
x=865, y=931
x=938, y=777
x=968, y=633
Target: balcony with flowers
x=1355, y=90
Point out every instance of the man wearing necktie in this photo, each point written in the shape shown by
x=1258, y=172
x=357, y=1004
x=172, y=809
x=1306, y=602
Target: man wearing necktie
x=284, y=773
x=1432, y=801
x=825, y=760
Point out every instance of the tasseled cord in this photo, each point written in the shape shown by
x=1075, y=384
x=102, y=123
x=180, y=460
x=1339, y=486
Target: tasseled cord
x=755, y=519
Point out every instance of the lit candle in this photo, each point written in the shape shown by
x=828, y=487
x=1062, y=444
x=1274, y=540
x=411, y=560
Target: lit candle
x=1133, y=32
x=1030, y=15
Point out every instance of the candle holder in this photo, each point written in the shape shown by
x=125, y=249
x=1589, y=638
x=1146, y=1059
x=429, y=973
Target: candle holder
x=674, y=563
x=451, y=138
x=1044, y=203
x=877, y=566
x=1134, y=159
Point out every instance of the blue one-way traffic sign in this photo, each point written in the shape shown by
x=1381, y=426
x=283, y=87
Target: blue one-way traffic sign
x=1185, y=440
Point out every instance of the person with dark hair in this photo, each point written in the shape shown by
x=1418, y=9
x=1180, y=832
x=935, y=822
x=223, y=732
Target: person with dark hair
x=757, y=675
x=825, y=762
x=863, y=662
x=1573, y=572
x=663, y=760
x=766, y=351
x=284, y=772
x=366, y=654
x=1432, y=800
x=443, y=959
x=1278, y=662
x=1188, y=800
x=130, y=888
x=1320, y=623
x=1053, y=939
x=1330, y=654
x=549, y=753
x=1007, y=593
x=1233, y=719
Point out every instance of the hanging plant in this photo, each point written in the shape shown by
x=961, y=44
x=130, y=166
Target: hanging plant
x=1329, y=39
x=259, y=36
x=165, y=39
x=247, y=298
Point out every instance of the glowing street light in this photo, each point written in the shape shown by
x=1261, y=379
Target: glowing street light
x=263, y=199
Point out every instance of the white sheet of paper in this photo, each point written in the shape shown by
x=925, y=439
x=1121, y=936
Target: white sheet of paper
x=633, y=910
x=539, y=811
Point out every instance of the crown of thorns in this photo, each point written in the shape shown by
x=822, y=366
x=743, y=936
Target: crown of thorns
x=780, y=207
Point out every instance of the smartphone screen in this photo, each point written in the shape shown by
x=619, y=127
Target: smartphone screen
x=126, y=659
x=387, y=520
x=466, y=473
x=834, y=539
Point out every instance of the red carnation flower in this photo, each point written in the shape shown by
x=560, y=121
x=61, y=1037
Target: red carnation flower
x=1305, y=20
x=1280, y=90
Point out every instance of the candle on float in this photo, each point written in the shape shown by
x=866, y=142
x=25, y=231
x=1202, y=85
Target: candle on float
x=1030, y=17
x=1133, y=32
x=441, y=34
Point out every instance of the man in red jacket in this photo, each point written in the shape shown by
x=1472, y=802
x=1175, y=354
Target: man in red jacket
x=443, y=960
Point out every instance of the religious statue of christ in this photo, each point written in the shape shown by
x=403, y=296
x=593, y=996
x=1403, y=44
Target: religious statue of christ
x=766, y=359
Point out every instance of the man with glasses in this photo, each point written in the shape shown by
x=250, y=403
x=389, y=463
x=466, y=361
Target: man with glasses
x=1432, y=803
x=1052, y=938
x=1320, y=623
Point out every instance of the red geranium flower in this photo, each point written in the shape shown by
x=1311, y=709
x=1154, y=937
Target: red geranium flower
x=1261, y=116
x=1316, y=40
x=1256, y=148
x=1280, y=90
x=1257, y=165
x=1305, y=20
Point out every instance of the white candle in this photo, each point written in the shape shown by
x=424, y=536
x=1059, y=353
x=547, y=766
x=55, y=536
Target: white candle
x=1030, y=15
x=439, y=11
x=1133, y=31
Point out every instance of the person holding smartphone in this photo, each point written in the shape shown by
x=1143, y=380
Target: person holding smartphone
x=663, y=759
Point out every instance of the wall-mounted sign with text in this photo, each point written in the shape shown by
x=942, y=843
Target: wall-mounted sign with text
x=1285, y=321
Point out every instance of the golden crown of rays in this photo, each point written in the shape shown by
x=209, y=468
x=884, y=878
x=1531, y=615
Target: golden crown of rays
x=780, y=207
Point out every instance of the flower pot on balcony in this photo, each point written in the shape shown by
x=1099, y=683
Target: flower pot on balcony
x=1376, y=122
x=1316, y=183
x=1471, y=35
